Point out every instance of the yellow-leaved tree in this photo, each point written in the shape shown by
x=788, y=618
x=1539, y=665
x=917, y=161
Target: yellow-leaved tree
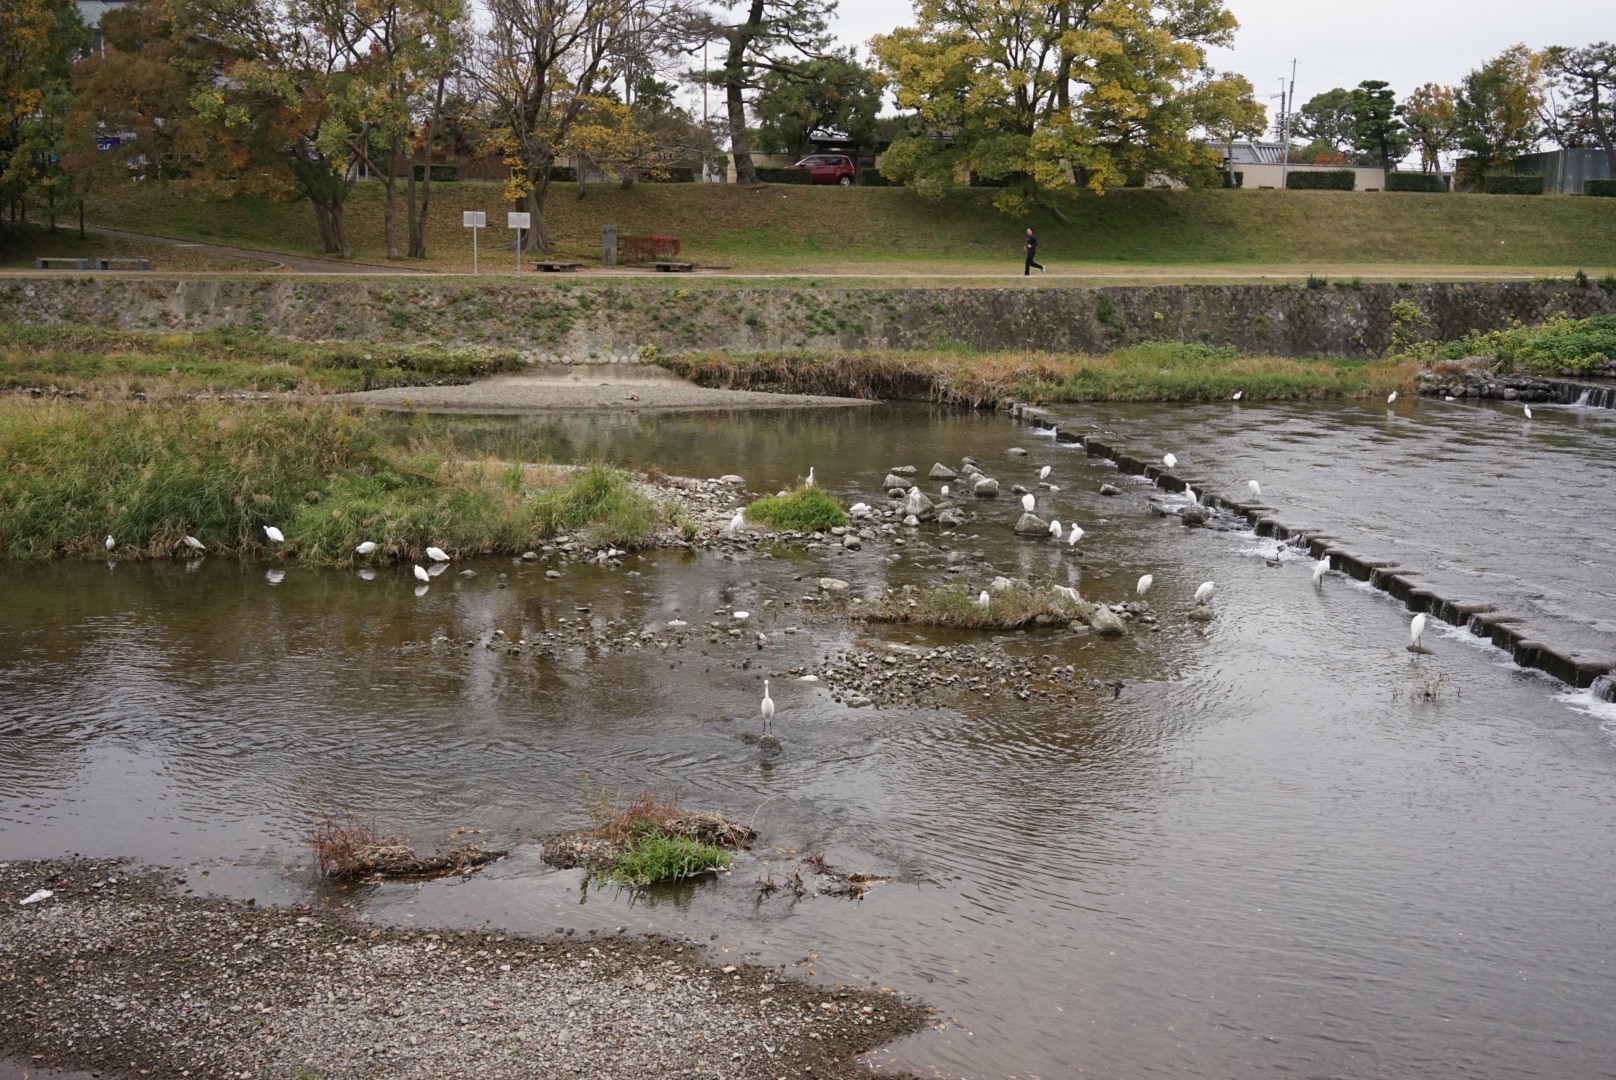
x=1040, y=99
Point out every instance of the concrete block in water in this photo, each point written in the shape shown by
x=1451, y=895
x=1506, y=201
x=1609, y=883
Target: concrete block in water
x=1129, y=464
x=1458, y=613
x=1421, y=600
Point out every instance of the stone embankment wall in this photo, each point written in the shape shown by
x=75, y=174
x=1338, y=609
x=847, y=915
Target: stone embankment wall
x=582, y=320
x=1507, y=631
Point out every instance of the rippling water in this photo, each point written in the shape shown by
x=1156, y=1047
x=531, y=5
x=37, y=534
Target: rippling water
x=1268, y=854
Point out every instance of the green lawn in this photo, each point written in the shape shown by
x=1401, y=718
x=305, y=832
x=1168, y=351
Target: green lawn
x=822, y=229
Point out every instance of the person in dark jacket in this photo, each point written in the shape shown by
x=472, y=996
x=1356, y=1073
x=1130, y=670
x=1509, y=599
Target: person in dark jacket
x=1032, y=254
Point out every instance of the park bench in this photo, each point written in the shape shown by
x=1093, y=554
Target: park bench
x=558, y=267
x=67, y=264
x=123, y=264
x=666, y=267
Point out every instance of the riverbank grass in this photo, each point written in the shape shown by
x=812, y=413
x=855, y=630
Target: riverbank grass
x=956, y=606
x=805, y=508
x=74, y=472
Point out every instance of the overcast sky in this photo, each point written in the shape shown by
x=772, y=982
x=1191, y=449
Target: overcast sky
x=1342, y=42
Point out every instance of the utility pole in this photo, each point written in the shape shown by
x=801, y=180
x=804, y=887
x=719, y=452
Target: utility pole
x=1286, y=102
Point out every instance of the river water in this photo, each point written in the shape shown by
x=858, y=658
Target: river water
x=1268, y=854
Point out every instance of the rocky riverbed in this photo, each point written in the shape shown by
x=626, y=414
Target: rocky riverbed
x=111, y=968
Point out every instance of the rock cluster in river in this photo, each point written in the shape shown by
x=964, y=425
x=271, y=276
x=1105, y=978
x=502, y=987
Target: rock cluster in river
x=116, y=970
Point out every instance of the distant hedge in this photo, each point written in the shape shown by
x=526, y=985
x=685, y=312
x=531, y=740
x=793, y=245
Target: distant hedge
x=1512, y=185
x=870, y=176
x=673, y=176
x=561, y=174
x=785, y=176
x=1414, y=181
x=1322, y=180
x=1605, y=188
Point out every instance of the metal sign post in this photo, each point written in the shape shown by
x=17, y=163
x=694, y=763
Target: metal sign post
x=473, y=220
x=518, y=221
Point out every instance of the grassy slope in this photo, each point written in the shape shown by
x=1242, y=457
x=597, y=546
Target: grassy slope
x=808, y=228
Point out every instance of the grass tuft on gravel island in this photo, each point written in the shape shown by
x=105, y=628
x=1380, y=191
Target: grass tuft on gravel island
x=655, y=858
x=1162, y=371
x=805, y=509
x=74, y=472
x=958, y=607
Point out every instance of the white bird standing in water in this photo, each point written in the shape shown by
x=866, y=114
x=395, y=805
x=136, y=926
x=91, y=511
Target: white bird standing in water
x=810, y=476
x=1169, y=460
x=1055, y=529
x=437, y=554
x=768, y=709
x=366, y=548
x=1238, y=394
x=1416, y=630
x=1320, y=568
x=1391, y=397
x=421, y=575
x=1528, y=411
x=1190, y=492
x=1256, y=488
x=945, y=491
x=193, y=543
x=737, y=521
x=983, y=599
x=274, y=534
x=1043, y=474
x=1204, y=592
x=1074, y=536
x=1028, y=502
x=1145, y=583
x=110, y=542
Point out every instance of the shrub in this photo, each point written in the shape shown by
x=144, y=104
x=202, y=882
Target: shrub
x=602, y=498
x=562, y=174
x=1501, y=184
x=1602, y=188
x=1321, y=180
x=1234, y=179
x=807, y=509
x=1414, y=181
x=673, y=176
x=784, y=176
x=1561, y=344
x=1411, y=329
x=871, y=177
x=654, y=857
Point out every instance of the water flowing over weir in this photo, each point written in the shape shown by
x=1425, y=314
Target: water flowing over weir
x=1283, y=843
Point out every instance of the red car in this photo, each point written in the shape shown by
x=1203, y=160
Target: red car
x=828, y=168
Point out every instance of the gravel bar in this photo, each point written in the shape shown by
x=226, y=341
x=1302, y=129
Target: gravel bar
x=119, y=973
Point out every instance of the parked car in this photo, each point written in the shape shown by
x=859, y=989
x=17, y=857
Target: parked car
x=827, y=168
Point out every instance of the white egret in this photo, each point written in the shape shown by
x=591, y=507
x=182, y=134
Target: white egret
x=1416, y=630
x=110, y=542
x=1238, y=394
x=421, y=574
x=1256, y=488
x=1169, y=460
x=1528, y=411
x=1190, y=492
x=193, y=543
x=1074, y=536
x=1320, y=568
x=1055, y=529
x=437, y=554
x=1204, y=593
x=768, y=708
x=810, y=476
x=1028, y=502
x=1068, y=592
x=983, y=599
x=1391, y=397
x=366, y=548
x=1145, y=583
x=742, y=616
x=944, y=492
x=274, y=534
x=737, y=521
x=1043, y=474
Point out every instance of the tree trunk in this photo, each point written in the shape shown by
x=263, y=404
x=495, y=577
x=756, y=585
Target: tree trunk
x=1602, y=131
x=537, y=240
x=389, y=203
x=740, y=144
x=409, y=202
x=328, y=217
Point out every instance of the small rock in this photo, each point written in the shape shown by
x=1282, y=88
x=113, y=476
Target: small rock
x=903, y=470
x=1032, y=525
x=940, y=471
x=1201, y=613
x=915, y=504
x=1110, y=489
x=731, y=479
x=950, y=517
x=986, y=488
x=830, y=584
x=1016, y=451
x=468, y=574
x=999, y=584
x=530, y=556
x=1106, y=622
x=552, y=574
x=1018, y=489
x=911, y=521
x=893, y=481
x=1193, y=516
x=852, y=543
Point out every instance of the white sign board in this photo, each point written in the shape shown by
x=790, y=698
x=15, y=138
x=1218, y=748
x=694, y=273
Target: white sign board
x=515, y=220
x=473, y=219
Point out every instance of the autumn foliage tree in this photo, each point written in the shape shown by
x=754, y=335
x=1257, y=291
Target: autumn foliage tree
x=1045, y=97
x=39, y=41
x=1495, y=111
x=1428, y=117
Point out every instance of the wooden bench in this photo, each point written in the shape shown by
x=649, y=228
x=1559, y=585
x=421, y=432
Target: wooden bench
x=674, y=267
x=123, y=264
x=69, y=264
x=558, y=267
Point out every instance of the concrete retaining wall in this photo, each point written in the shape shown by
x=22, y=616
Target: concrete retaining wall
x=580, y=320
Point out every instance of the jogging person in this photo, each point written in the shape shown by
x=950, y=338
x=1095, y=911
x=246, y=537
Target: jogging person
x=1032, y=254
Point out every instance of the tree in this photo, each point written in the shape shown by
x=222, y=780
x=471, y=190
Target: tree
x=1043, y=97
x=1587, y=79
x=1327, y=118
x=39, y=41
x=1495, y=112
x=1428, y=115
x=835, y=94
x=1377, y=131
x=775, y=36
